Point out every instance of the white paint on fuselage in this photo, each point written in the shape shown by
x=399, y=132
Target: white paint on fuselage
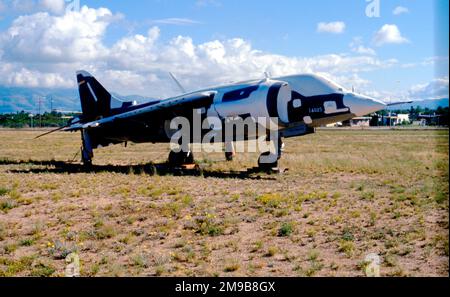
x=307, y=85
x=255, y=104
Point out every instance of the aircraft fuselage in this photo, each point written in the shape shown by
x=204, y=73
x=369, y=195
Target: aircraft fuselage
x=298, y=105
x=277, y=108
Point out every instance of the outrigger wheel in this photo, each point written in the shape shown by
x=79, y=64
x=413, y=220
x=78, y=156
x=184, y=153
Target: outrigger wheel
x=86, y=150
x=177, y=159
x=86, y=158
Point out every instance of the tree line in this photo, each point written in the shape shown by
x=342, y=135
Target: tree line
x=416, y=112
x=25, y=120
x=55, y=119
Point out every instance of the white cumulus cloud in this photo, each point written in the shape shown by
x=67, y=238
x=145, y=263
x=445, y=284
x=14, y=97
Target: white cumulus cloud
x=45, y=50
x=75, y=36
x=400, y=10
x=31, y=6
x=358, y=47
x=332, y=27
x=55, y=6
x=436, y=89
x=176, y=21
x=389, y=34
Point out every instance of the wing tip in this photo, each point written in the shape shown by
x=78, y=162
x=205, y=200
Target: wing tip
x=399, y=103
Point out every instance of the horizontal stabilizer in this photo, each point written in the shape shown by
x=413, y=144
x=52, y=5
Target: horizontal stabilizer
x=65, y=128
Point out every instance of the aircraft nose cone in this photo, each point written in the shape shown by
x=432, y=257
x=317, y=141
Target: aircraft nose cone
x=361, y=105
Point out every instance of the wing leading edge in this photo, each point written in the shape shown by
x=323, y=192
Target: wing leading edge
x=165, y=105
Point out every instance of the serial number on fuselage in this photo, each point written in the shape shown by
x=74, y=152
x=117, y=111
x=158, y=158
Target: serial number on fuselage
x=316, y=110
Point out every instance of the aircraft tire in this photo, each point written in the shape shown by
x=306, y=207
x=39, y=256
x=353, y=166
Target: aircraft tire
x=229, y=156
x=87, y=163
x=267, y=166
x=85, y=159
x=189, y=158
x=180, y=158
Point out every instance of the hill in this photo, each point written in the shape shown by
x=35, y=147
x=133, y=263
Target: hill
x=27, y=99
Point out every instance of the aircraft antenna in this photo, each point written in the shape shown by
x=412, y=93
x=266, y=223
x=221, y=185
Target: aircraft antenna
x=183, y=90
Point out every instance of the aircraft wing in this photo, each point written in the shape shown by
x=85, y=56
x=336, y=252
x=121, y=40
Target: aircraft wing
x=165, y=105
x=399, y=103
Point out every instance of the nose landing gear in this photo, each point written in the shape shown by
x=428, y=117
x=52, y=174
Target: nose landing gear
x=230, y=152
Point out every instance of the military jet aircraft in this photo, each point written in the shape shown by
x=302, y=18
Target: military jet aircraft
x=299, y=103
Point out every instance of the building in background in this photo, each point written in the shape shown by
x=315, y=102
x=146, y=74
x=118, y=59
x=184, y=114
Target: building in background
x=358, y=122
x=432, y=120
x=390, y=120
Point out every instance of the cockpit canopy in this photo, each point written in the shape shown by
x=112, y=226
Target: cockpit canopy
x=312, y=85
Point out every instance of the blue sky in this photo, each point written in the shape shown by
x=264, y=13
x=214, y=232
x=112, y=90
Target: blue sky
x=288, y=27
x=416, y=33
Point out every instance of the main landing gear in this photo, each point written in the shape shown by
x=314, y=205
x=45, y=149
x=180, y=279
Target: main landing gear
x=182, y=157
x=178, y=159
x=268, y=161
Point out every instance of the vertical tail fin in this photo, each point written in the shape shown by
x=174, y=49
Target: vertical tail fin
x=95, y=99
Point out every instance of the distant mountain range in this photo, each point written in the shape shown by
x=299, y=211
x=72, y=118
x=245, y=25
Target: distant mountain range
x=27, y=99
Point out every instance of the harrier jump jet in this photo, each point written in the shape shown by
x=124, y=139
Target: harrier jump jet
x=300, y=103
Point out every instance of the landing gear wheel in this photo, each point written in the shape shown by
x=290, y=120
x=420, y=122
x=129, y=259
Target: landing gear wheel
x=180, y=158
x=230, y=151
x=189, y=158
x=175, y=159
x=229, y=156
x=86, y=158
x=267, y=166
x=87, y=152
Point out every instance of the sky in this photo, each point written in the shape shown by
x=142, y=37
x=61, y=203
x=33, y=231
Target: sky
x=388, y=49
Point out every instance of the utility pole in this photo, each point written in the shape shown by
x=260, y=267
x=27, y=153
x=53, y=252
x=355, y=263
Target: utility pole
x=390, y=112
x=40, y=115
x=51, y=104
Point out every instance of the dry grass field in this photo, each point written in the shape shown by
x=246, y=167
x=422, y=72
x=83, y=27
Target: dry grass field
x=346, y=194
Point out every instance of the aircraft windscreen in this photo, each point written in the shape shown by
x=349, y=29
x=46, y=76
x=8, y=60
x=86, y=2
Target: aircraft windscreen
x=313, y=85
x=333, y=85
